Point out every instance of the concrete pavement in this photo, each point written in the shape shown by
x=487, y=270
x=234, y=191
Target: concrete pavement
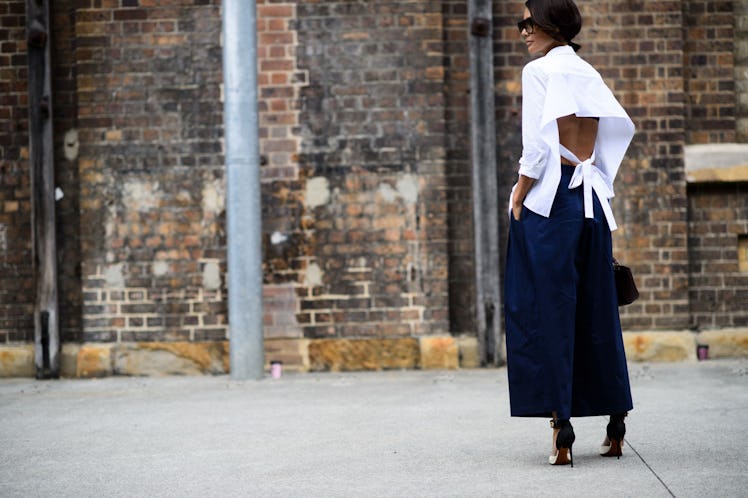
x=395, y=433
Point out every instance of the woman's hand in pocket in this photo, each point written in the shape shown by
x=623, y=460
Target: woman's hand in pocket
x=517, y=211
x=524, y=184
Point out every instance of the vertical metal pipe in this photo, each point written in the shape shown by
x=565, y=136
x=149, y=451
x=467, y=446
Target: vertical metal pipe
x=243, y=214
x=485, y=182
x=41, y=159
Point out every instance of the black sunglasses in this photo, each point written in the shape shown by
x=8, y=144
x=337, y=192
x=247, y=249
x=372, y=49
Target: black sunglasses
x=526, y=24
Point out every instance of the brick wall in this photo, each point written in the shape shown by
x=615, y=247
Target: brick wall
x=718, y=230
x=16, y=284
x=718, y=221
x=741, y=69
x=461, y=269
x=279, y=82
x=364, y=136
x=373, y=156
x=709, y=71
x=510, y=55
x=65, y=105
x=639, y=48
x=151, y=170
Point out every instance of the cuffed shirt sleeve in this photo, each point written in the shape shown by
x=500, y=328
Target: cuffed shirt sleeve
x=534, y=150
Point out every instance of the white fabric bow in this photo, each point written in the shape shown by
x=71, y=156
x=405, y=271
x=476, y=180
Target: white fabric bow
x=593, y=179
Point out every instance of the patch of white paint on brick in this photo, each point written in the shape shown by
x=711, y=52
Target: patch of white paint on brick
x=214, y=200
x=160, y=268
x=313, y=275
x=407, y=187
x=4, y=242
x=184, y=197
x=317, y=192
x=140, y=196
x=211, y=275
x=111, y=223
x=387, y=193
x=113, y=275
x=278, y=238
x=71, y=145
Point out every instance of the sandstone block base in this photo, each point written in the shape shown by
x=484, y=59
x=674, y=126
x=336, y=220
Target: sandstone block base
x=439, y=352
x=302, y=355
x=725, y=343
x=171, y=358
x=93, y=360
x=363, y=354
x=17, y=361
x=469, y=352
x=660, y=346
x=293, y=353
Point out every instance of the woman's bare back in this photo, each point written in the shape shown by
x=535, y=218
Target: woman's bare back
x=578, y=135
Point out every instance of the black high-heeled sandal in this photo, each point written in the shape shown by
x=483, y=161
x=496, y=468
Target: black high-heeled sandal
x=564, y=441
x=615, y=430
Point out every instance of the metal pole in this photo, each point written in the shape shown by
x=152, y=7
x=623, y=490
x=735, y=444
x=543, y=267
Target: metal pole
x=485, y=183
x=41, y=158
x=243, y=214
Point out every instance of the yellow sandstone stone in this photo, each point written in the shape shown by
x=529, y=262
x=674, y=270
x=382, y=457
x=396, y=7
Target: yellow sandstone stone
x=439, y=352
x=665, y=346
x=94, y=360
x=17, y=361
x=363, y=354
x=725, y=343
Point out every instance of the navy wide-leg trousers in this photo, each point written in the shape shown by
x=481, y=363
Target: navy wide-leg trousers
x=563, y=332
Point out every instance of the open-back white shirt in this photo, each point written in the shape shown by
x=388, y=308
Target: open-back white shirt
x=556, y=85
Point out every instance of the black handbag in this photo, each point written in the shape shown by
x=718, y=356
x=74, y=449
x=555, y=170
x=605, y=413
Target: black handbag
x=625, y=285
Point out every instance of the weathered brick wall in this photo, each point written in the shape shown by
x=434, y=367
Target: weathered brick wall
x=510, y=55
x=373, y=160
x=461, y=269
x=65, y=102
x=718, y=230
x=709, y=71
x=638, y=49
x=364, y=136
x=718, y=218
x=151, y=170
x=16, y=284
x=741, y=69
x=280, y=81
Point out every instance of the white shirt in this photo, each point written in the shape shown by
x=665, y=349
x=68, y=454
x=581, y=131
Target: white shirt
x=556, y=85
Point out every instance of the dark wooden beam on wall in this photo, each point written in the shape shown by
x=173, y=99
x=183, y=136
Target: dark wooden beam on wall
x=41, y=161
x=485, y=183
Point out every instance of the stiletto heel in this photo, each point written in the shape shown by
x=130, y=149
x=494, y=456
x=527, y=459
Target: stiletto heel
x=615, y=431
x=564, y=441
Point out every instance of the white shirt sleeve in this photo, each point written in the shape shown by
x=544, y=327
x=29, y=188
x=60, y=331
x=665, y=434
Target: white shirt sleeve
x=534, y=149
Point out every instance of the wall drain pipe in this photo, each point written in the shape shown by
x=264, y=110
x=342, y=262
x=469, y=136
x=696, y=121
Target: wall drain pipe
x=243, y=196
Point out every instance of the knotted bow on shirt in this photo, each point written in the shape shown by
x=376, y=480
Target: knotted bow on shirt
x=591, y=178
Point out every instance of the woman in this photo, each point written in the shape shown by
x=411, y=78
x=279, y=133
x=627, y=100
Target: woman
x=565, y=355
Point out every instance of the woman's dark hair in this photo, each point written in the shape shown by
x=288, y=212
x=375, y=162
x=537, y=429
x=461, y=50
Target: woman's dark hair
x=559, y=18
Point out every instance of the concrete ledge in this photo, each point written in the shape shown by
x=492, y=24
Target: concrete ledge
x=710, y=163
